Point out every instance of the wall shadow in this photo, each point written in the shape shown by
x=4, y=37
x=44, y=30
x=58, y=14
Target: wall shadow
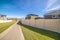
x=51, y=34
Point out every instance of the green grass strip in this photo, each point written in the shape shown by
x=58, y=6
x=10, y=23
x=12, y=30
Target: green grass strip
x=4, y=26
x=32, y=33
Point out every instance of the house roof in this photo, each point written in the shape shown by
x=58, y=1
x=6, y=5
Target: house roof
x=2, y=15
x=56, y=12
x=32, y=15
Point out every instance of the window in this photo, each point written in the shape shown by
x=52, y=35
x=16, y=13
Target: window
x=58, y=15
x=1, y=15
x=54, y=16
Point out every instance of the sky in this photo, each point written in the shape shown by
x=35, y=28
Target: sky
x=20, y=8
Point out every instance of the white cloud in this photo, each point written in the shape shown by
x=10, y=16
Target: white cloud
x=50, y=3
x=54, y=8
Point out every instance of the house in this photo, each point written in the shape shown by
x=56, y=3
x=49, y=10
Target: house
x=2, y=17
x=11, y=18
x=31, y=16
x=53, y=15
x=39, y=18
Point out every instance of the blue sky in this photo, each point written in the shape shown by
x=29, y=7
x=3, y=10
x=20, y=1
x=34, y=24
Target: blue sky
x=20, y=8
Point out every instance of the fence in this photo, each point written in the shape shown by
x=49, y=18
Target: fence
x=48, y=24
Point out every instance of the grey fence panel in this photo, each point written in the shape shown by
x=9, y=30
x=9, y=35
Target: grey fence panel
x=48, y=24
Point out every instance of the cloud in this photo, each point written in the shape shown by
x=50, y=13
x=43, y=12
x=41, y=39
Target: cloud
x=54, y=8
x=50, y=3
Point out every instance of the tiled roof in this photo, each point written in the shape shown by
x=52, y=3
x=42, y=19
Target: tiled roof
x=54, y=12
x=32, y=15
x=2, y=14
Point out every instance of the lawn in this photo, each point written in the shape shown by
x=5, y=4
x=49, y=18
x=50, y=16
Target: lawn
x=4, y=26
x=32, y=33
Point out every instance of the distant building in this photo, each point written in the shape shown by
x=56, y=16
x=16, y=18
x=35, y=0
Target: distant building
x=53, y=15
x=39, y=18
x=2, y=17
x=31, y=16
x=12, y=18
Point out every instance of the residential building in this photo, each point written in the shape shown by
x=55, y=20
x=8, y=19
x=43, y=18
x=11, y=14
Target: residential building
x=2, y=17
x=31, y=16
x=53, y=15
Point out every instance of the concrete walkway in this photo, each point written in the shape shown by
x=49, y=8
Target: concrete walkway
x=15, y=33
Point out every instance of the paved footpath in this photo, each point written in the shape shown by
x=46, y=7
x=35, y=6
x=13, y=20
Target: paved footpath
x=15, y=33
